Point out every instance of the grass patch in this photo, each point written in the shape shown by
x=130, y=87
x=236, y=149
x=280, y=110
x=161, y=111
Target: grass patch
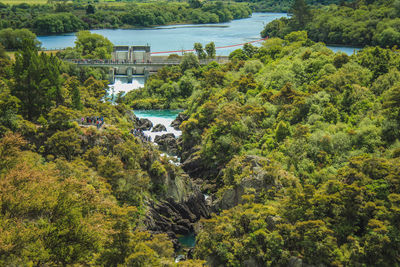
x=31, y=2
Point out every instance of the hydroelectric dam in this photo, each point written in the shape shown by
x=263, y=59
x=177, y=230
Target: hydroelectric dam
x=137, y=60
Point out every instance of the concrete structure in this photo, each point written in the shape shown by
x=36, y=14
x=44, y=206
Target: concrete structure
x=131, y=54
x=135, y=60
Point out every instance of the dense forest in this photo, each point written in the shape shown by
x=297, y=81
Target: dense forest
x=359, y=23
x=72, y=194
x=296, y=147
x=64, y=17
x=299, y=148
x=285, y=5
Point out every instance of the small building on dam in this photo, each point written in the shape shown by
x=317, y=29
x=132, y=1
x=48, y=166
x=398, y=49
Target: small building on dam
x=131, y=60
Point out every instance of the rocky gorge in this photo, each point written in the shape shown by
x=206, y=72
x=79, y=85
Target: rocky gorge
x=184, y=202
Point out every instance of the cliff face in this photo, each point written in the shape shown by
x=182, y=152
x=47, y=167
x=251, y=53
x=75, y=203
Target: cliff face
x=182, y=207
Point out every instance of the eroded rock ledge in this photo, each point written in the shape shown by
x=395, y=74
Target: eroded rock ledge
x=177, y=218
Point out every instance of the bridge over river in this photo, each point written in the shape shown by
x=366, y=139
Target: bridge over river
x=136, y=60
x=128, y=68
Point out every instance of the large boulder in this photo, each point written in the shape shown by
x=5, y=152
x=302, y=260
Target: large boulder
x=130, y=115
x=159, y=128
x=178, y=121
x=167, y=143
x=144, y=124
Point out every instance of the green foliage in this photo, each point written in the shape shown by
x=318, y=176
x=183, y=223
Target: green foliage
x=64, y=143
x=300, y=14
x=189, y=61
x=90, y=9
x=59, y=17
x=282, y=131
x=361, y=24
x=72, y=194
x=286, y=5
x=57, y=23
x=329, y=121
x=13, y=39
x=198, y=47
x=299, y=143
x=210, y=49
x=92, y=45
x=38, y=93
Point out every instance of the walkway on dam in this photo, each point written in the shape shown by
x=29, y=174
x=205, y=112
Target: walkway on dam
x=154, y=62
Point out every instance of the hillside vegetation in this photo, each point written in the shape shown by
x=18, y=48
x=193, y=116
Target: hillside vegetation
x=300, y=148
x=285, y=5
x=64, y=17
x=72, y=194
x=297, y=148
x=359, y=23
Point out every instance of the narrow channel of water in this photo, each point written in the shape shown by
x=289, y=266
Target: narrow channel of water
x=187, y=241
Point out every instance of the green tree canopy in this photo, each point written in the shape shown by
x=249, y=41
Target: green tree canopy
x=92, y=45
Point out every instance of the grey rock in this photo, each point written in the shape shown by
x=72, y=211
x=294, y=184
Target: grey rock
x=178, y=120
x=176, y=218
x=159, y=128
x=167, y=143
x=144, y=124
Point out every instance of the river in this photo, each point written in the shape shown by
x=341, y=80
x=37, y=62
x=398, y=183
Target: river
x=181, y=37
x=178, y=37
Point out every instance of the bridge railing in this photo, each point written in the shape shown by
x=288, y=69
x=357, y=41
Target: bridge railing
x=139, y=62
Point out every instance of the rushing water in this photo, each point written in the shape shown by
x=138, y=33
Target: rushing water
x=164, y=117
x=123, y=85
x=178, y=37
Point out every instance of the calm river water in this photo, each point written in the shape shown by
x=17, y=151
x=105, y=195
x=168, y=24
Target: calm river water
x=178, y=37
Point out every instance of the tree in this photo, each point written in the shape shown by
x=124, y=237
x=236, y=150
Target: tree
x=282, y=131
x=92, y=45
x=2, y=52
x=76, y=95
x=189, y=61
x=249, y=50
x=13, y=39
x=198, y=47
x=300, y=14
x=210, y=49
x=37, y=81
x=195, y=3
x=64, y=143
x=90, y=9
